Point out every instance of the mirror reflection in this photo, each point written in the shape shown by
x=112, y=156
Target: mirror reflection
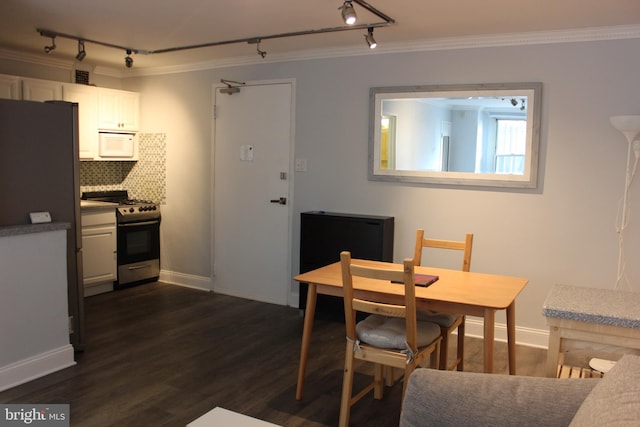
x=463, y=134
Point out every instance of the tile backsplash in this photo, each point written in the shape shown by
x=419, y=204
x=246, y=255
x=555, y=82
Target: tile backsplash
x=144, y=179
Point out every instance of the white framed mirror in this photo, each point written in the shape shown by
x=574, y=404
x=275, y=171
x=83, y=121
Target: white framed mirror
x=468, y=134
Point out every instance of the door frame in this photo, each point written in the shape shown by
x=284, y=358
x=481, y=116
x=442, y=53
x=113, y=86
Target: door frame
x=291, y=301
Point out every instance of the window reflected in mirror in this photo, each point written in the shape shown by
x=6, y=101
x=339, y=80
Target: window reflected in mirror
x=463, y=134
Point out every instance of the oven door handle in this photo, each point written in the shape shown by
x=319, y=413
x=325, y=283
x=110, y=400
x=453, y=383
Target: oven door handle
x=134, y=224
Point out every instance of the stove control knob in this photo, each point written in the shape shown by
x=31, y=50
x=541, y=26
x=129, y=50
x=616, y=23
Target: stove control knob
x=132, y=210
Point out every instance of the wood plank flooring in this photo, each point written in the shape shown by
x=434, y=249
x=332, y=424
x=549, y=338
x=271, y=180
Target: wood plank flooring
x=163, y=355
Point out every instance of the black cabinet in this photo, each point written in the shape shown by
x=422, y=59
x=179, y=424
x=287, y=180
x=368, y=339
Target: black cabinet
x=323, y=235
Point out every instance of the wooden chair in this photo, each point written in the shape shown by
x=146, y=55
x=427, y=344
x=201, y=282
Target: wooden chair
x=448, y=322
x=370, y=341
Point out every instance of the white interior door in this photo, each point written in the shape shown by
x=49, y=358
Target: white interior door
x=252, y=145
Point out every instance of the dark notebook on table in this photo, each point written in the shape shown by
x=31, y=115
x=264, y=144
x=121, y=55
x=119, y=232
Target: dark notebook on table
x=423, y=280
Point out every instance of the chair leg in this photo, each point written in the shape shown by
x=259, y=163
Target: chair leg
x=435, y=355
x=461, y=331
x=407, y=372
x=389, y=376
x=444, y=349
x=347, y=386
x=378, y=378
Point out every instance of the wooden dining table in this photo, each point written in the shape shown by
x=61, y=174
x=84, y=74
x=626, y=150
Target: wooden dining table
x=455, y=291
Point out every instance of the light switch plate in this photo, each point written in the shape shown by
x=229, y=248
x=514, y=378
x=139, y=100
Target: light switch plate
x=40, y=217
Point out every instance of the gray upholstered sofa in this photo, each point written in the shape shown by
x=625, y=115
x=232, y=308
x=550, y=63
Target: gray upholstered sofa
x=450, y=398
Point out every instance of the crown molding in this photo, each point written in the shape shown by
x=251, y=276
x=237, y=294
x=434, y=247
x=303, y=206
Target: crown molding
x=449, y=43
x=36, y=59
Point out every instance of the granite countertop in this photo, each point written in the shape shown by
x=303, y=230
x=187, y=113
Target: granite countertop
x=602, y=306
x=16, y=230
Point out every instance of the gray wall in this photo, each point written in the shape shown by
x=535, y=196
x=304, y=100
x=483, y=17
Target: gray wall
x=563, y=232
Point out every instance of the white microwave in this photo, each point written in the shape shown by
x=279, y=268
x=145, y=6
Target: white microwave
x=117, y=146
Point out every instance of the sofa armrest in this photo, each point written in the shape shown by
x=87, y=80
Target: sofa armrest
x=615, y=401
x=450, y=398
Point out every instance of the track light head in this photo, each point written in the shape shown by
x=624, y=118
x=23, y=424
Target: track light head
x=81, y=52
x=348, y=13
x=371, y=42
x=48, y=49
x=261, y=52
x=128, y=60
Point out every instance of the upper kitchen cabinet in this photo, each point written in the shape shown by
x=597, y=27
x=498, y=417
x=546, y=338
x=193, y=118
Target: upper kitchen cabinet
x=9, y=87
x=118, y=110
x=41, y=90
x=87, y=99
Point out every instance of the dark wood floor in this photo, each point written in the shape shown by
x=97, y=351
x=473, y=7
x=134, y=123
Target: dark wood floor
x=163, y=355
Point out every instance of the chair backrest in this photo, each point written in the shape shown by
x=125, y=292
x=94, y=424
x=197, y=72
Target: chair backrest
x=404, y=277
x=465, y=246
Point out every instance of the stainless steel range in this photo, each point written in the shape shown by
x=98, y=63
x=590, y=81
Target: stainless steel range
x=138, y=236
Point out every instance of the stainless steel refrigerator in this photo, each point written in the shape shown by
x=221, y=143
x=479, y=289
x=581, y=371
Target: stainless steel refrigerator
x=39, y=171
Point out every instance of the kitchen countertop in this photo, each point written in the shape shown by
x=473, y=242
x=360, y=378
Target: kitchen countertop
x=93, y=204
x=16, y=230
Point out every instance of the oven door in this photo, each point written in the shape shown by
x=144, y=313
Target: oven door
x=138, y=241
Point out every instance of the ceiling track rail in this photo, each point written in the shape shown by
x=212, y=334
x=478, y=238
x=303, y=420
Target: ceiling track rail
x=386, y=21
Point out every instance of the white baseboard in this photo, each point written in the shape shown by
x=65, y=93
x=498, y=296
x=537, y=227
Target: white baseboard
x=186, y=280
x=37, y=366
x=524, y=336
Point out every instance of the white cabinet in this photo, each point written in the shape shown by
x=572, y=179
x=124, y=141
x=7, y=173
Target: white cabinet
x=41, y=90
x=118, y=110
x=99, y=250
x=99, y=109
x=9, y=87
x=87, y=99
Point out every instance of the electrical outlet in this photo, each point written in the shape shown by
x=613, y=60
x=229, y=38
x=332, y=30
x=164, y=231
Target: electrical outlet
x=39, y=217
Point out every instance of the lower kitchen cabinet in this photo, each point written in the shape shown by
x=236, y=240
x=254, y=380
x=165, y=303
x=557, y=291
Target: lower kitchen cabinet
x=99, y=250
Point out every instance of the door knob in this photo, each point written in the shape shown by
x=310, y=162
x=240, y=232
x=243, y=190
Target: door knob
x=280, y=201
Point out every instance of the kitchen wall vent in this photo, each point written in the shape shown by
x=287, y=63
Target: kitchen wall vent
x=82, y=77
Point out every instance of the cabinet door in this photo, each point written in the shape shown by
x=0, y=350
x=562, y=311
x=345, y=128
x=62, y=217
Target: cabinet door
x=129, y=110
x=108, y=116
x=118, y=110
x=99, y=254
x=87, y=98
x=41, y=90
x=9, y=87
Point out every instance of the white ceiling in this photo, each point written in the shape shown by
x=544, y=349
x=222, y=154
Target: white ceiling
x=159, y=24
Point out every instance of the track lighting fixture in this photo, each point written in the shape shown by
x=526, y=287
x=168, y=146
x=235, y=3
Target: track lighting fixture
x=348, y=13
x=81, y=52
x=48, y=49
x=262, y=53
x=369, y=38
x=128, y=60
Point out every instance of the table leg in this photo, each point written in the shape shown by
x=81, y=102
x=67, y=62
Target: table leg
x=511, y=337
x=489, y=335
x=309, y=313
x=553, y=352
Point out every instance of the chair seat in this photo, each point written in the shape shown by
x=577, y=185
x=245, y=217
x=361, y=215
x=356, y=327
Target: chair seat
x=389, y=332
x=443, y=319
